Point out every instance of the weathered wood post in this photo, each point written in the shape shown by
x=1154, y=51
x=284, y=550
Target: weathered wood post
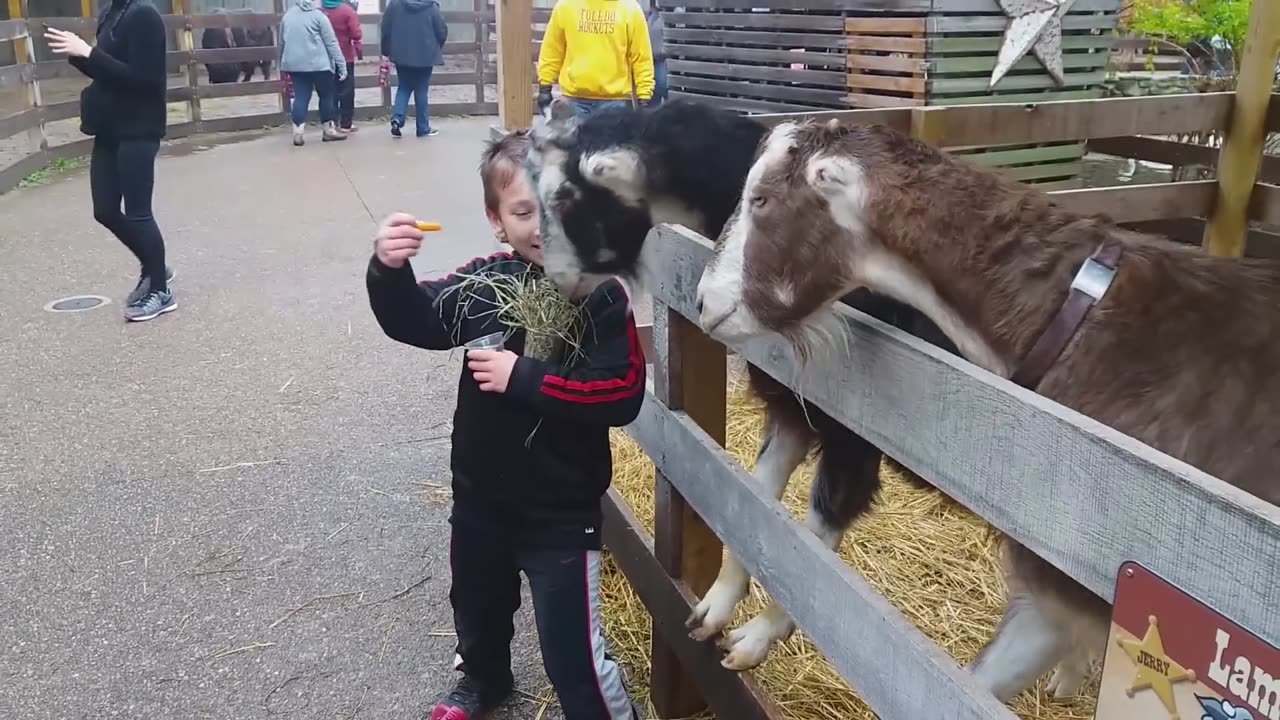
x=277, y=7
x=690, y=374
x=187, y=44
x=385, y=90
x=481, y=25
x=24, y=51
x=515, y=62
x=1241, y=154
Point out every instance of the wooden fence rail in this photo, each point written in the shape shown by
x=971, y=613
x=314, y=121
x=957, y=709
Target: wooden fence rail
x=1069, y=488
x=1113, y=125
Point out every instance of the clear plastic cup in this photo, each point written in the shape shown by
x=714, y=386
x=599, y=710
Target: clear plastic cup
x=492, y=341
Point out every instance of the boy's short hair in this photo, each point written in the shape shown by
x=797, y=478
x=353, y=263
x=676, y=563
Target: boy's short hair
x=499, y=163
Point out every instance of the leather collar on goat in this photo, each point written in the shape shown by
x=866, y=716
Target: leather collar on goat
x=1088, y=287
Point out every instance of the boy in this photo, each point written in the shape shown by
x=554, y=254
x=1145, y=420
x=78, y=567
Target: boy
x=596, y=49
x=530, y=458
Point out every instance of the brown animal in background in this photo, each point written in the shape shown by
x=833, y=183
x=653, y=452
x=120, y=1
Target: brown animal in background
x=254, y=37
x=1182, y=352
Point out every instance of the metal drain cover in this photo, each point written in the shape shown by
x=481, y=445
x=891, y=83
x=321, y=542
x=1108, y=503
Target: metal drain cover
x=77, y=303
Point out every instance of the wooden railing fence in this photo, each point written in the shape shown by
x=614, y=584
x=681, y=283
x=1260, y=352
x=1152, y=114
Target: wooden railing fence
x=187, y=59
x=1062, y=484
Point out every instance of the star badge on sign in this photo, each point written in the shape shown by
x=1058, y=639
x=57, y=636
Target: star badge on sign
x=1155, y=669
x=1035, y=26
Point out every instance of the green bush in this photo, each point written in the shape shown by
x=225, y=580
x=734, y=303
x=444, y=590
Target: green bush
x=1185, y=21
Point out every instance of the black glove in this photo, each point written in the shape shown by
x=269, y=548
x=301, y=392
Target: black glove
x=544, y=98
x=652, y=102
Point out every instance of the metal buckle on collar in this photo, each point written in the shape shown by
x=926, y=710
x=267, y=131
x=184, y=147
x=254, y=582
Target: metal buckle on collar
x=1093, y=279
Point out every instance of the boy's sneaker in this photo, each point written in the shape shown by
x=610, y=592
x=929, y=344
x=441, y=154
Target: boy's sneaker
x=151, y=305
x=144, y=286
x=430, y=133
x=467, y=701
x=395, y=128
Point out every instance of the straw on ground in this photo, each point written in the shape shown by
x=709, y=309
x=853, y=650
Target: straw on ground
x=932, y=558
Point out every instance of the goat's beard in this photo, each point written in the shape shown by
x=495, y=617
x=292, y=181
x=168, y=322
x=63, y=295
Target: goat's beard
x=821, y=339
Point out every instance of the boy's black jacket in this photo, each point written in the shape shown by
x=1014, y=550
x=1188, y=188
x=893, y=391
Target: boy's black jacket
x=537, y=456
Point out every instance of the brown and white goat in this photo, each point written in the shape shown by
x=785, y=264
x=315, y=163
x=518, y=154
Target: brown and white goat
x=1182, y=352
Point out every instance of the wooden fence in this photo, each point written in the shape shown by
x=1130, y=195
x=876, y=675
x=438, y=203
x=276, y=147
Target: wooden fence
x=1032, y=468
x=192, y=90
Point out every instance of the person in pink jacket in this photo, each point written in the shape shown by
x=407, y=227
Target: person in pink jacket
x=346, y=25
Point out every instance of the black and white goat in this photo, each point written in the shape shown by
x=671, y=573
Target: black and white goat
x=603, y=183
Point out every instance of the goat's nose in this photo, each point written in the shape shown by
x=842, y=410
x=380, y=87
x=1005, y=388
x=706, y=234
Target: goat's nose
x=698, y=304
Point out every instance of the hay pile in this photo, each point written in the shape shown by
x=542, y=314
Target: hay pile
x=933, y=559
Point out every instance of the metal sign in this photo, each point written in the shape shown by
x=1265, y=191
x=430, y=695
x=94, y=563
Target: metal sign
x=1171, y=657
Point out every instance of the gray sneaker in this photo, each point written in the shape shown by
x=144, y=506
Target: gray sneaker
x=151, y=305
x=144, y=286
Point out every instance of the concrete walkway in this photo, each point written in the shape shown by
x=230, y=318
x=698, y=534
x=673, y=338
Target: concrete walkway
x=234, y=511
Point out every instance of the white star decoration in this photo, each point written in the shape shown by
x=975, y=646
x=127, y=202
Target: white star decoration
x=1034, y=25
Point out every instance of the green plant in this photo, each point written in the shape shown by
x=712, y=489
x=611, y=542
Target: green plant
x=1183, y=22
x=46, y=173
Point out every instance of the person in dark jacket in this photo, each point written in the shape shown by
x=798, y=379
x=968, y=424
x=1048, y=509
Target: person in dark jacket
x=123, y=108
x=530, y=456
x=413, y=37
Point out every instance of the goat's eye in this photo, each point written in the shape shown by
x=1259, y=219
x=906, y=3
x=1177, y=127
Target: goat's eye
x=759, y=201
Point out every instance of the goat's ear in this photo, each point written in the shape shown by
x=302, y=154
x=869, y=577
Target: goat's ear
x=828, y=175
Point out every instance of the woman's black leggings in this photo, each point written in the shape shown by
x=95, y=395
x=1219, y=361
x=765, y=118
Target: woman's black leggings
x=126, y=170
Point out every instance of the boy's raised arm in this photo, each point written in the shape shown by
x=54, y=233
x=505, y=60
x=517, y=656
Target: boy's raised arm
x=408, y=311
x=609, y=389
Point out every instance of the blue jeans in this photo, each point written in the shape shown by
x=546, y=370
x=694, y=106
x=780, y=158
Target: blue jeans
x=660, y=82
x=325, y=85
x=415, y=81
x=583, y=108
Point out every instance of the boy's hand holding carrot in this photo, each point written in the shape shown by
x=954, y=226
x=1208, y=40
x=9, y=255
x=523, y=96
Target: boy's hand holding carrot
x=399, y=237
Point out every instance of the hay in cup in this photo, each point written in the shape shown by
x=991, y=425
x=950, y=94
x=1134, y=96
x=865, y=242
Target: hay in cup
x=527, y=300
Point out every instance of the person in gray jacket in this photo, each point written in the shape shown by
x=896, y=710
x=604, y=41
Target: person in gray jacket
x=413, y=37
x=309, y=53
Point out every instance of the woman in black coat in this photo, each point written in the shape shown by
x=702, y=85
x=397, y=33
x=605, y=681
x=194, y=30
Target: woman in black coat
x=123, y=108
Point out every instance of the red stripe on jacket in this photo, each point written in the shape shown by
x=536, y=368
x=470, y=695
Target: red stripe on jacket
x=628, y=385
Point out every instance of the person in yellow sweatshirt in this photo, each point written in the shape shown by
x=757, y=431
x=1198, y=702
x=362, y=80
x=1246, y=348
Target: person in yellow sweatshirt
x=596, y=49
